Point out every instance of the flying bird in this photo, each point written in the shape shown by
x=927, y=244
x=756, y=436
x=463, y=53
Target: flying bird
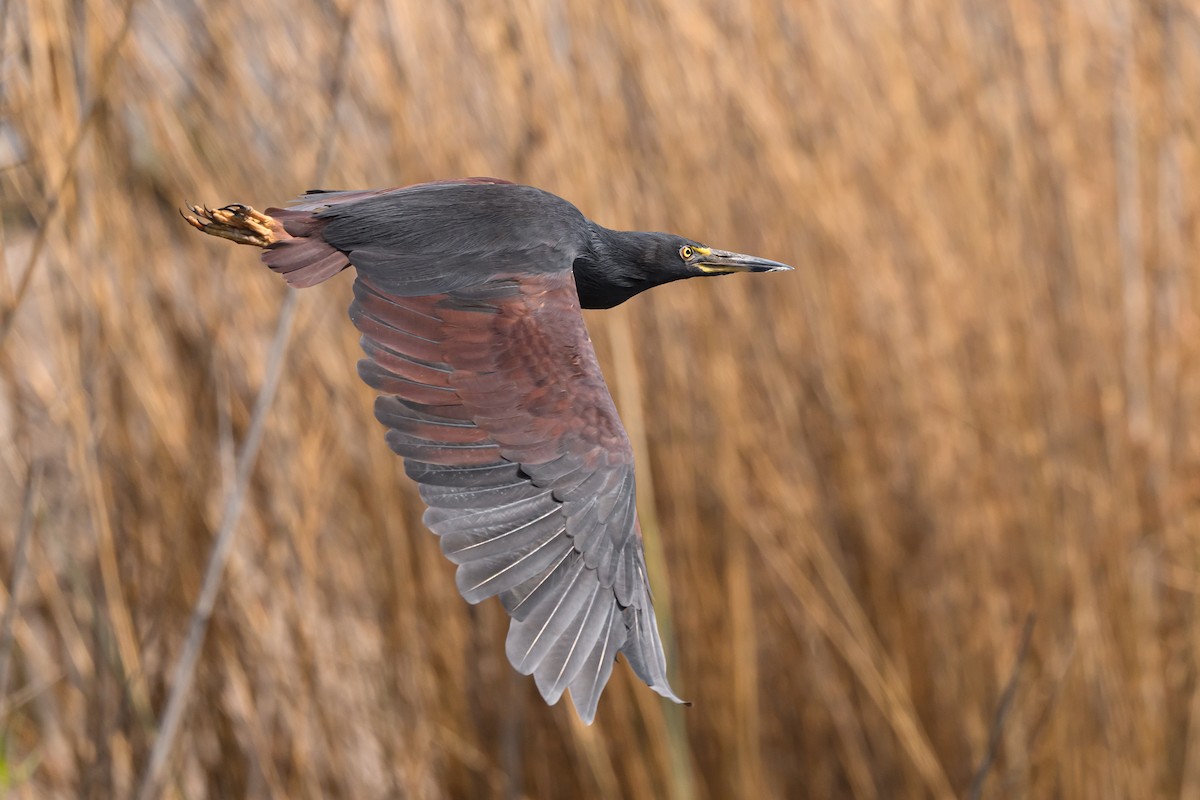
x=468, y=297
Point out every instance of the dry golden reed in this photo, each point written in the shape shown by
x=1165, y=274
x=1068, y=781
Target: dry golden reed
x=973, y=401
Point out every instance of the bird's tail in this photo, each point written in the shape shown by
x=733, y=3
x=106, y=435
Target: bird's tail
x=291, y=238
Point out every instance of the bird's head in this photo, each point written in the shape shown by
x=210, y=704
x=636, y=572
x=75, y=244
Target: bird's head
x=624, y=263
x=695, y=260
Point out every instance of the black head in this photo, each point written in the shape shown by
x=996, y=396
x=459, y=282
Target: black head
x=699, y=260
x=623, y=263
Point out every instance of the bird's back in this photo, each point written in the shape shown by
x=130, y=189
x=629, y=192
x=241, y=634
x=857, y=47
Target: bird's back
x=429, y=238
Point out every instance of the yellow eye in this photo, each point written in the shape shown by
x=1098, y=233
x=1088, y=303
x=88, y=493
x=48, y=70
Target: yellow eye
x=686, y=252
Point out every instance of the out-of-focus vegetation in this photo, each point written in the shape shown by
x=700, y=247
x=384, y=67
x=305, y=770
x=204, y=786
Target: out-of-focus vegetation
x=974, y=401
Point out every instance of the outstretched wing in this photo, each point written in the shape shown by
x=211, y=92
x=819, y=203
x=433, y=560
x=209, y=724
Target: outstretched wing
x=496, y=402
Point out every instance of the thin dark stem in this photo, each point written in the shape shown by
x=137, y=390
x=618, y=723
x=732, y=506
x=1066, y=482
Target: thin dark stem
x=1006, y=698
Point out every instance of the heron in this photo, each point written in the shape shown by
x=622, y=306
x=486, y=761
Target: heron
x=468, y=295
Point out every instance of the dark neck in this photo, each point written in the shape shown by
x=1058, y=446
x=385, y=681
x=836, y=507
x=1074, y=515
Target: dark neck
x=618, y=265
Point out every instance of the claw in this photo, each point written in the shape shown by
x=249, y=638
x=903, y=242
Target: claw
x=236, y=222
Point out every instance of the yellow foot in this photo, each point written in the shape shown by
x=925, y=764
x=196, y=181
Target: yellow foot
x=237, y=223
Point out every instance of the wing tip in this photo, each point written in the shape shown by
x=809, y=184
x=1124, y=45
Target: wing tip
x=586, y=711
x=664, y=689
x=587, y=707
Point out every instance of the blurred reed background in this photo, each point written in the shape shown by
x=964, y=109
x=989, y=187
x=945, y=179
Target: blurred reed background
x=973, y=402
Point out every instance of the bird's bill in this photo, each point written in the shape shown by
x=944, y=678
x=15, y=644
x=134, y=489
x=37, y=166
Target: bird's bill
x=719, y=262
